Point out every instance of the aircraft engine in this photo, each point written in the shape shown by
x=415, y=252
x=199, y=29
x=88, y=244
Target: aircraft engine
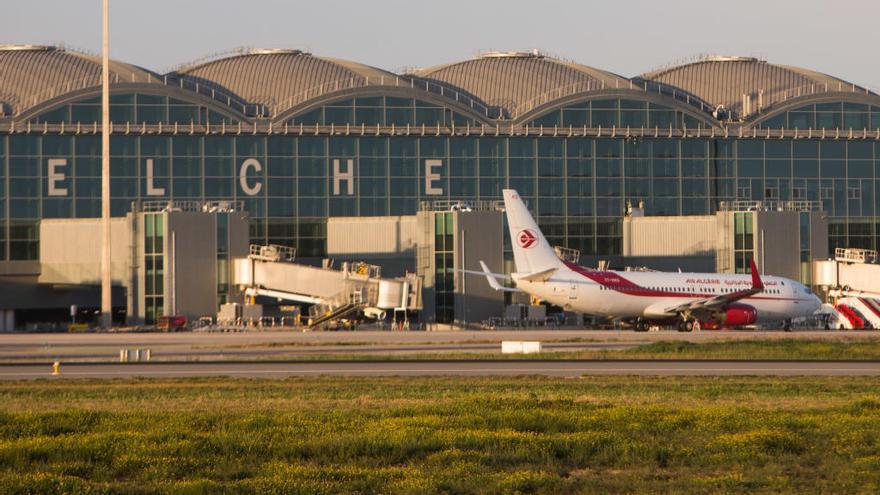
x=738, y=314
x=374, y=313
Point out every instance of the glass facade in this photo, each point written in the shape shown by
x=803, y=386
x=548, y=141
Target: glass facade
x=618, y=113
x=222, y=258
x=154, y=266
x=291, y=183
x=828, y=116
x=743, y=242
x=578, y=187
x=134, y=108
x=382, y=110
x=444, y=267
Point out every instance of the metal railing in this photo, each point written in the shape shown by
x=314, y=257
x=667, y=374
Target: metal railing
x=501, y=129
x=770, y=205
x=272, y=252
x=855, y=255
x=456, y=205
x=360, y=269
x=189, y=206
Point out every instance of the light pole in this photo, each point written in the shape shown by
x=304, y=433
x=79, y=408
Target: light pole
x=106, y=293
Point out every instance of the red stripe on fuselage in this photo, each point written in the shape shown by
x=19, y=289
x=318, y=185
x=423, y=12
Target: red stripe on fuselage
x=614, y=281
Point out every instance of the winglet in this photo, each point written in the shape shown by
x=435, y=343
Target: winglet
x=493, y=282
x=756, y=277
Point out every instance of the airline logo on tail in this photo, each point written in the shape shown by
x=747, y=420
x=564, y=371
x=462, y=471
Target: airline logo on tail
x=527, y=239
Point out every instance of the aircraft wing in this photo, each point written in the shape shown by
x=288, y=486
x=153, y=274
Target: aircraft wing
x=720, y=301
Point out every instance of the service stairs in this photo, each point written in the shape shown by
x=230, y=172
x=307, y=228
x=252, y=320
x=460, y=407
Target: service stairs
x=859, y=312
x=343, y=305
x=852, y=313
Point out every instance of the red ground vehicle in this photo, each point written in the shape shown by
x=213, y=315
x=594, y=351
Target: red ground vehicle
x=171, y=323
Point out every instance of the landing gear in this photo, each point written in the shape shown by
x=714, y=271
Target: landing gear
x=689, y=325
x=786, y=325
x=640, y=326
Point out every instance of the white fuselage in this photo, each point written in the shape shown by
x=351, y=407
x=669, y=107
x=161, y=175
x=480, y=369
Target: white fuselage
x=627, y=295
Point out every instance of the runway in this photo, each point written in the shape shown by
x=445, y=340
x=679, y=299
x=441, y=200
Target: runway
x=278, y=345
x=443, y=368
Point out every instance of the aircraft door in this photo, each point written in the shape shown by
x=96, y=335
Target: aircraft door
x=573, y=290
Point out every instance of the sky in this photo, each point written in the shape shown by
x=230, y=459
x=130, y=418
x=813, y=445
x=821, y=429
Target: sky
x=625, y=37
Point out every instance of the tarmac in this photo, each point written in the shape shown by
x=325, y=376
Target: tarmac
x=289, y=344
x=442, y=368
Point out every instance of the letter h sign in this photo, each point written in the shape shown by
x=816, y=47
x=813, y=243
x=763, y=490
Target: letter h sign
x=347, y=176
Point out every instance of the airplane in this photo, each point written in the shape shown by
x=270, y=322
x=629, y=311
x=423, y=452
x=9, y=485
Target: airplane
x=690, y=300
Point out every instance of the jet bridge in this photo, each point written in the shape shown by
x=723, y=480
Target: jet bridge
x=852, y=272
x=354, y=289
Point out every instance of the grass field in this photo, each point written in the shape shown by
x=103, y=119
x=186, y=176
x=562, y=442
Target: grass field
x=753, y=349
x=442, y=435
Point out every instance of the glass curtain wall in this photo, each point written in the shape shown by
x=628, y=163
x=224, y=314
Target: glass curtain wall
x=154, y=266
x=577, y=187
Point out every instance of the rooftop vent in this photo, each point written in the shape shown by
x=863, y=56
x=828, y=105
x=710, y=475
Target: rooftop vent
x=274, y=51
x=27, y=48
x=729, y=58
x=495, y=54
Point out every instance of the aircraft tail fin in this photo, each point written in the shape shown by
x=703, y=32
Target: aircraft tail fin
x=531, y=251
x=756, y=277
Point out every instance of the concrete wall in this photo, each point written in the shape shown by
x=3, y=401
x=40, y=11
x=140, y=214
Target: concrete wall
x=480, y=232
x=693, y=264
x=669, y=236
x=819, y=235
x=239, y=247
x=389, y=242
x=70, y=251
x=191, y=264
x=239, y=235
x=777, y=243
x=781, y=241
x=706, y=243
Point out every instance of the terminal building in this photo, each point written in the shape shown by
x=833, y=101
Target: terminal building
x=305, y=143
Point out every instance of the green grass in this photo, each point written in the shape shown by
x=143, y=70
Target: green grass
x=442, y=435
x=868, y=349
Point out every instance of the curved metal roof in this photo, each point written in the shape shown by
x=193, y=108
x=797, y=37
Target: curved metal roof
x=280, y=78
x=31, y=74
x=514, y=82
x=745, y=85
x=276, y=82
